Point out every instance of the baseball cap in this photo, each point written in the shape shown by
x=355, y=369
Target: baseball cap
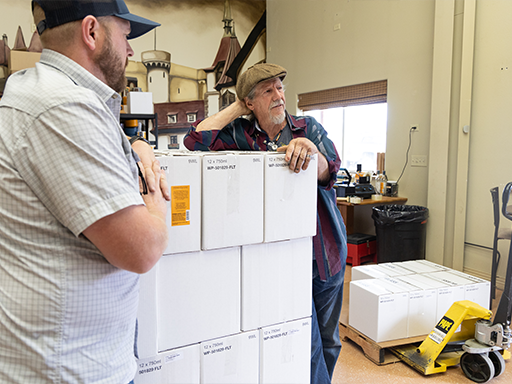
x=60, y=12
x=256, y=74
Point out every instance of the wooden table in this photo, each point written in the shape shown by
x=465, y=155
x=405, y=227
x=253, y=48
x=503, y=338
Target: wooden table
x=347, y=209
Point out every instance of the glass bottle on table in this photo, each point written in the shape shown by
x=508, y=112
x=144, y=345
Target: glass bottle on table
x=381, y=182
x=359, y=173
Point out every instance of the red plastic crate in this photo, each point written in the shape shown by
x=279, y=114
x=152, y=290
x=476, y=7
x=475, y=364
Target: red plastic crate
x=361, y=248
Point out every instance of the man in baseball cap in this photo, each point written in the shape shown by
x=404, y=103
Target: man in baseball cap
x=71, y=203
x=270, y=127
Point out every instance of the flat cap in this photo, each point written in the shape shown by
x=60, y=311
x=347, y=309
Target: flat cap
x=256, y=74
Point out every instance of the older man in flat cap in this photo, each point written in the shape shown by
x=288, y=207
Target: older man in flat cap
x=270, y=127
x=76, y=230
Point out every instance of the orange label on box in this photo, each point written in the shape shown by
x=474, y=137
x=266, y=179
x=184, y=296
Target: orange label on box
x=180, y=205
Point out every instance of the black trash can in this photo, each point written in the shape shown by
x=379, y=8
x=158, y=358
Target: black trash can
x=401, y=232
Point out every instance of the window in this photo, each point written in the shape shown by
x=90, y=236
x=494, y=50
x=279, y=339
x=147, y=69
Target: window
x=191, y=117
x=171, y=119
x=355, y=118
x=359, y=133
x=173, y=142
x=226, y=99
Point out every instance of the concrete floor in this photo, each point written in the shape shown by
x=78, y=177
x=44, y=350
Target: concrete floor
x=354, y=368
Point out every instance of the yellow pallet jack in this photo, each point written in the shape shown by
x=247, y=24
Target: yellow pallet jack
x=475, y=346
x=466, y=335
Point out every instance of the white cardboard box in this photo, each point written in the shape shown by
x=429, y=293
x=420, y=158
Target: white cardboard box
x=183, y=174
x=446, y=294
x=422, y=303
x=378, y=309
x=147, y=327
x=232, y=199
x=439, y=267
x=290, y=199
x=276, y=282
x=427, y=308
x=188, y=298
x=285, y=353
x=178, y=366
x=475, y=290
x=417, y=266
x=370, y=271
x=394, y=269
x=139, y=102
x=231, y=360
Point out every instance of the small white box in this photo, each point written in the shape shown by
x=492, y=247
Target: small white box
x=417, y=266
x=290, y=199
x=188, y=298
x=231, y=360
x=232, y=199
x=139, y=103
x=276, y=282
x=198, y=296
x=475, y=289
x=183, y=174
x=371, y=271
x=285, y=353
x=147, y=331
x=378, y=309
x=426, y=307
x=446, y=294
x=395, y=269
x=178, y=366
x=422, y=303
x=439, y=267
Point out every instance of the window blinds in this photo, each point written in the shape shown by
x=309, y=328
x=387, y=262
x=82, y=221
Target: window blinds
x=359, y=94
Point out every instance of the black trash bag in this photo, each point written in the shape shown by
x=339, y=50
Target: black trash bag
x=392, y=214
x=401, y=232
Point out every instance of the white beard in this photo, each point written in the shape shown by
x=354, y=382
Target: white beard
x=278, y=119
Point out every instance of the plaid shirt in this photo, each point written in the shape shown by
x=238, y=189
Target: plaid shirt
x=330, y=241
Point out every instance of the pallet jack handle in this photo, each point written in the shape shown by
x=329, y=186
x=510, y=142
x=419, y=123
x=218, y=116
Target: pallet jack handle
x=504, y=310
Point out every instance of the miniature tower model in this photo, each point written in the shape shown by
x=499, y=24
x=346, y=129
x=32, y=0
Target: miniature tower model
x=158, y=64
x=220, y=87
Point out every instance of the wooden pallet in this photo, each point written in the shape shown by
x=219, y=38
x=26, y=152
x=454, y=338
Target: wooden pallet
x=378, y=353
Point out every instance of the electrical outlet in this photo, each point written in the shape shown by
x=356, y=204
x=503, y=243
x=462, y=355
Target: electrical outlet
x=418, y=161
x=415, y=127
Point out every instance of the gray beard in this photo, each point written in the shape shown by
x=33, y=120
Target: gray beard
x=277, y=119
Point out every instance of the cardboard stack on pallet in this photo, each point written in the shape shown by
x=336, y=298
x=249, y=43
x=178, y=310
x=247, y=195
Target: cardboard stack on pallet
x=400, y=300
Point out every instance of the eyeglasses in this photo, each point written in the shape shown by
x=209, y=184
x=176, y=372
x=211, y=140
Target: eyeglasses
x=143, y=181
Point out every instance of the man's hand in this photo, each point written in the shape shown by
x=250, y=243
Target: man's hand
x=298, y=154
x=224, y=117
x=154, y=199
x=147, y=158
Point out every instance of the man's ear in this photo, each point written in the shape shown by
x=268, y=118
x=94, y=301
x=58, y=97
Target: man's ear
x=249, y=103
x=89, y=32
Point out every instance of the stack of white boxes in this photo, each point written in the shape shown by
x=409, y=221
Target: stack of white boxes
x=405, y=299
x=230, y=300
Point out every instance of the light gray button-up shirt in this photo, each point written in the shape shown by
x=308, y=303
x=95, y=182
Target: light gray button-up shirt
x=66, y=314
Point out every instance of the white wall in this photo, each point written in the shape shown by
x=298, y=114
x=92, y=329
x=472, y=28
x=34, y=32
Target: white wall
x=377, y=40
x=491, y=129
